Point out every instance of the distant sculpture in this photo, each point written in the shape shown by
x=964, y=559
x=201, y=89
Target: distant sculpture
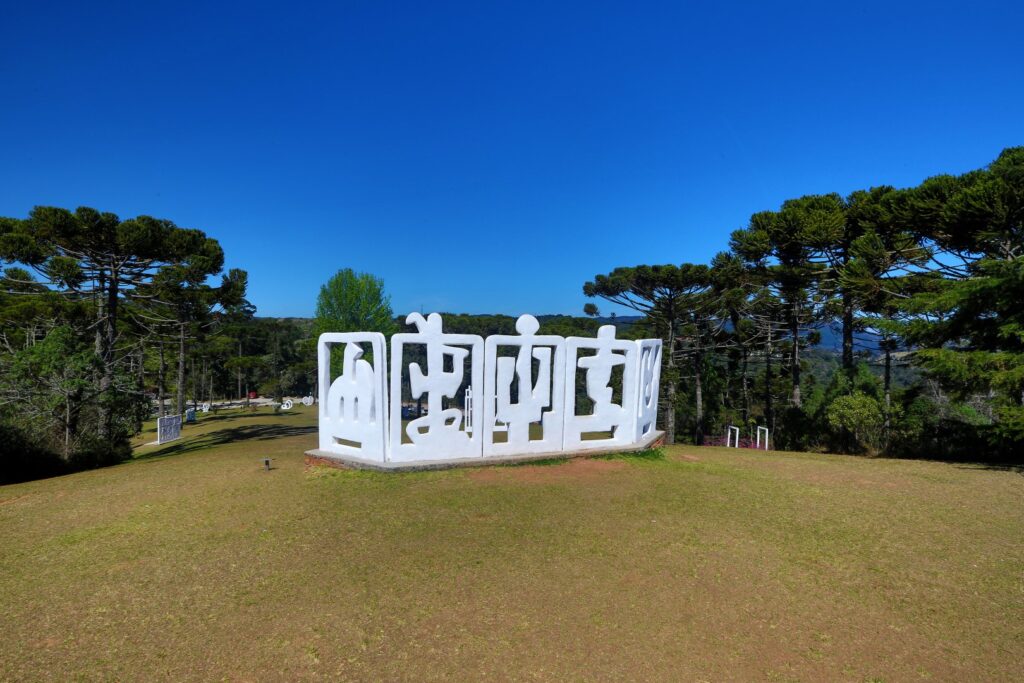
x=509, y=395
x=168, y=428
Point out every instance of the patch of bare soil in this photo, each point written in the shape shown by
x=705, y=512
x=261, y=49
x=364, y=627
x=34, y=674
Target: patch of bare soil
x=575, y=469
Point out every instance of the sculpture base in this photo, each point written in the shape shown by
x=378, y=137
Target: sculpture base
x=319, y=457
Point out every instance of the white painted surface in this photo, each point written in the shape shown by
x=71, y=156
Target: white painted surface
x=353, y=406
x=440, y=433
x=358, y=420
x=762, y=431
x=540, y=397
x=649, y=378
x=619, y=418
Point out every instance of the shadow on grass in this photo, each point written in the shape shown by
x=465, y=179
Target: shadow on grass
x=211, y=417
x=997, y=467
x=226, y=436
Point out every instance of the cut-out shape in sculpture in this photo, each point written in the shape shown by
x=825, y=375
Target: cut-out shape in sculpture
x=539, y=398
x=617, y=418
x=353, y=407
x=440, y=434
x=649, y=378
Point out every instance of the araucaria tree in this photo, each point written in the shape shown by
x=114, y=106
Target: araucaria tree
x=72, y=277
x=661, y=294
x=924, y=285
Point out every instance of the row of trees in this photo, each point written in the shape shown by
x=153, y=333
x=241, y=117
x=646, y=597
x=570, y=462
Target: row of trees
x=99, y=316
x=931, y=275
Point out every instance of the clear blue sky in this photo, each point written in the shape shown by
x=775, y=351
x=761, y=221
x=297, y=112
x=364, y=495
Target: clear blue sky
x=489, y=157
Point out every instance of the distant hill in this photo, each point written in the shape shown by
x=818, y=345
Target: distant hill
x=831, y=337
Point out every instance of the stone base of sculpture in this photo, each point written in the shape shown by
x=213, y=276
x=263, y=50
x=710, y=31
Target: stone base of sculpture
x=314, y=457
x=451, y=398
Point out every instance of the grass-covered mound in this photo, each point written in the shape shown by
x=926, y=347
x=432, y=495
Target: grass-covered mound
x=193, y=563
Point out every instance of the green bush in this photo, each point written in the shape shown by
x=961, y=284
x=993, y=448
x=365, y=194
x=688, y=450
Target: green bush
x=859, y=416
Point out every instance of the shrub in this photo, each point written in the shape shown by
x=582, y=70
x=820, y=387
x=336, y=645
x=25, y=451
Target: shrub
x=860, y=416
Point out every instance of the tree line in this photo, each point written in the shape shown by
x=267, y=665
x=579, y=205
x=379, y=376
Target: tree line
x=106, y=322
x=925, y=283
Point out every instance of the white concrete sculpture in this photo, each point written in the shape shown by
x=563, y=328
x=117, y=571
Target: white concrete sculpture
x=480, y=403
x=649, y=379
x=732, y=437
x=307, y=401
x=540, y=397
x=287, y=404
x=440, y=434
x=168, y=428
x=205, y=408
x=609, y=423
x=353, y=406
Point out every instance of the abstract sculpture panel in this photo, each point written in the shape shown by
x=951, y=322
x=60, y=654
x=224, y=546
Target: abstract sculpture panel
x=511, y=395
x=609, y=423
x=353, y=407
x=540, y=396
x=649, y=379
x=442, y=433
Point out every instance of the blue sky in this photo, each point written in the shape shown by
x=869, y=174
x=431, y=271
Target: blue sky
x=489, y=157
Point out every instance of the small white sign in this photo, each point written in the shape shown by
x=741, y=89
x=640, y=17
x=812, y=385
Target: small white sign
x=168, y=428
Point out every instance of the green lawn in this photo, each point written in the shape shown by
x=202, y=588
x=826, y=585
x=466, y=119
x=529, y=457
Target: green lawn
x=192, y=563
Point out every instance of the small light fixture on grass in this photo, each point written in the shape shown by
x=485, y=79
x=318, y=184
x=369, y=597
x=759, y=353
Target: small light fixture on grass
x=266, y=464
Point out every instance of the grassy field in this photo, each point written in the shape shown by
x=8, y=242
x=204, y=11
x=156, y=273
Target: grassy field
x=192, y=563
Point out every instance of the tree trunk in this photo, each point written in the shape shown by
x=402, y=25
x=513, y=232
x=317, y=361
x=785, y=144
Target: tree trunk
x=108, y=339
x=887, y=383
x=848, y=333
x=698, y=392
x=238, y=370
x=180, y=398
x=669, y=417
x=745, y=385
x=769, y=409
x=794, y=369
x=162, y=380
